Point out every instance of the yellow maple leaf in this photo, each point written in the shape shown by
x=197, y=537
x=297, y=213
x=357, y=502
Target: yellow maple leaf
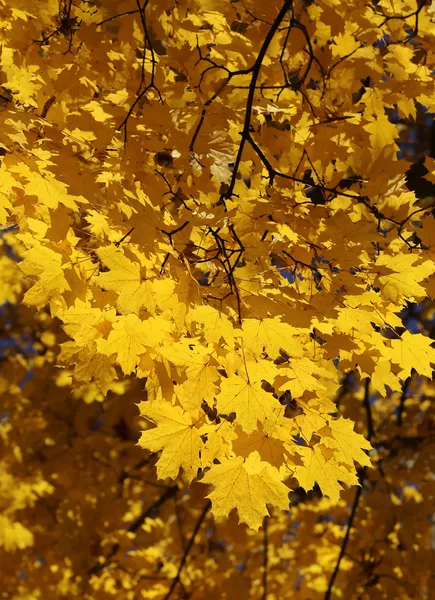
x=46, y=265
x=309, y=423
x=429, y=163
x=175, y=436
x=127, y=279
x=270, y=335
x=404, y=276
x=10, y=280
x=215, y=324
x=130, y=338
x=248, y=485
x=247, y=399
x=81, y=321
x=326, y=472
x=188, y=353
x=198, y=386
x=412, y=350
x=6, y=183
x=382, y=133
x=97, y=111
x=268, y=439
x=303, y=375
x=345, y=44
x=348, y=445
x=218, y=444
x=90, y=365
x=357, y=320
x=382, y=375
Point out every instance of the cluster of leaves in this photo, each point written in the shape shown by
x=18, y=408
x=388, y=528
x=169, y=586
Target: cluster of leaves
x=204, y=214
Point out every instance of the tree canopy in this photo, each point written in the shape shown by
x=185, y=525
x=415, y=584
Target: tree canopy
x=211, y=382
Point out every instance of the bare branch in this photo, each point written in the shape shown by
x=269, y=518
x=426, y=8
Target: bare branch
x=134, y=526
x=265, y=557
x=251, y=93
x=188, y=548
x=356, y=500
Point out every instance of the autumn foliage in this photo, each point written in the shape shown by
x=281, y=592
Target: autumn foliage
x=208, y=252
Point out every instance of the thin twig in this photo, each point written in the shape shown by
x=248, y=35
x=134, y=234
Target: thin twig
x=251, y=93
x=265, y=557
x=402, y=401
x=356, y=500
x=128, y=12
x=368, y=408
x=188, y=549
x=134, y=526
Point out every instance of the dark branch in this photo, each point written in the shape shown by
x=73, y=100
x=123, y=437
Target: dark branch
x=251, y=93
x=134, y=526
x=188, y=548
x=265, y=557
x=366, y=403
x=368, y=408
x=402, y=401
x=128, y=12
x=142, y=91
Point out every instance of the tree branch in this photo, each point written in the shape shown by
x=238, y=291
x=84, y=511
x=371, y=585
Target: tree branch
x=265, y=557
x=251, y=93
x=142, y=91
x=356, y=500
x=402, y=401
x=128, y=12
x=188, y=549
x=367, y=406
x=134, y=526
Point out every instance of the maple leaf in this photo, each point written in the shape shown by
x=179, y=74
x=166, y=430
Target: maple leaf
x=215, y=324
x=404, y=277
x=348, y=445
x=46, y=265
x=199, y=386
x=247, y=485
x=320, y=466
x=268, y=439
x=248, y=400
x=219, y=442
x=176, y=436
x=84, y=323
x=187, y=353
x=412, y=351
x=125, y=278
x=130, y=338
x=382, y=133
x=90, y=365
x=352, y=320
x=309, y=423
x=382, y=376
x=429, y=163
x=303, y=375
x=270, y=335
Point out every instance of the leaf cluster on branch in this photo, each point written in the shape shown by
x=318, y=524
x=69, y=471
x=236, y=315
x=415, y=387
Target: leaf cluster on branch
x=205, y=216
